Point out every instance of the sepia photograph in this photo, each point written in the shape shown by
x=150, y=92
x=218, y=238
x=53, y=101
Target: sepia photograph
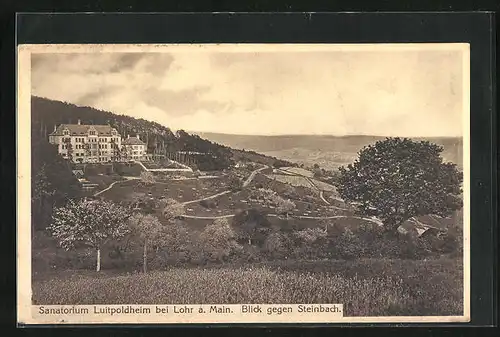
x=189, y=183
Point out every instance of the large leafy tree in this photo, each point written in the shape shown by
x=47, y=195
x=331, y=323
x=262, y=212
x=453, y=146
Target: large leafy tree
x=172, y=209
x=283, y=206
x=89, y=222
x=398, y=178
x=218, y=240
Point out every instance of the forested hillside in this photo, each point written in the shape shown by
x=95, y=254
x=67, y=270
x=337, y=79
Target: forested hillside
x=47, y=113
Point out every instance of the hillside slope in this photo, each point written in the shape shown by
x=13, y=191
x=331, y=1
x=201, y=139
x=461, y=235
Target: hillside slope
x=46, y=114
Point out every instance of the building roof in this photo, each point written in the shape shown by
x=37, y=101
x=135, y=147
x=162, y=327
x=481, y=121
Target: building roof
x=427, y=222
x=82, y=129
x=133, y=141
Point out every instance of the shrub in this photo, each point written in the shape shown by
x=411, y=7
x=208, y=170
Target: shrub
x=147, y=178
x=217, y=242
x=277, y=245
x=251, y=226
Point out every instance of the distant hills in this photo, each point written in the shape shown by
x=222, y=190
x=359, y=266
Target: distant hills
x=327, y=151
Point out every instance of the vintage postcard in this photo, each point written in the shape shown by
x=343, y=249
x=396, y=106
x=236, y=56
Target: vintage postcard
x=243, y=183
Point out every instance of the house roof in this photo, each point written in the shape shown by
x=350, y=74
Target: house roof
x=133, y=141
x=81, y=129
x=427, y=222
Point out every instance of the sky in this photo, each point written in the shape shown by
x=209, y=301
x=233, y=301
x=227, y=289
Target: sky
x=262, y=92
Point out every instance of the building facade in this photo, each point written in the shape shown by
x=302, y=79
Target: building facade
x=134, y=148
x=87, y=143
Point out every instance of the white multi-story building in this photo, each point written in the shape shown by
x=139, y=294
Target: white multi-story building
x=87, y=143
x=134, y=148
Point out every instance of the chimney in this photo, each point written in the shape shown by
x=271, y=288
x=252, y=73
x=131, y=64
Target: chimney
x=78, y=121
x=55, y=128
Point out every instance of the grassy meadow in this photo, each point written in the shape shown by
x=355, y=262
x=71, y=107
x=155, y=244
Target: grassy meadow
x=365, y=287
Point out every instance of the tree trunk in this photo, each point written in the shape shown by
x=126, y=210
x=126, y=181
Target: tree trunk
x=145, y=257
x=98, y=268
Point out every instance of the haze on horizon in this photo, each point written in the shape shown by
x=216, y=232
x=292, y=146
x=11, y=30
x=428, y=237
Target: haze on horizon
x=379, y=93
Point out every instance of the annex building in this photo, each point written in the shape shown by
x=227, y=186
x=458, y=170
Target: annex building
x=134, y=148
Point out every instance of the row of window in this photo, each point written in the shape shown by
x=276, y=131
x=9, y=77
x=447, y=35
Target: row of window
x=92, y=133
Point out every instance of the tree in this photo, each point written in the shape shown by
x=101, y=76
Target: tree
x=115, y=151
x=87, y=149
x=251, y=226
x=69, y=148
x=42, y=192
x=149, y=230
x=218, y=240
x=53, y=182
x=89, y=222
x=235, y=183
x=396, y=179
x=147, y=178
x=277, y=244
x=124, y=152
x=317, y=172
x=172, y=209
x=283, y=206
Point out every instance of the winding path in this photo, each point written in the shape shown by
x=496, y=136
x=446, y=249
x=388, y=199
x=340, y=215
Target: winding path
x=245, y=184
x=375, y=221
x=253, y=174
x=113, y=184
x=205, y=198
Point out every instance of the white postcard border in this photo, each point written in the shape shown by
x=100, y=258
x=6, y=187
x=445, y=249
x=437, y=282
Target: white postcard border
x=23, y=169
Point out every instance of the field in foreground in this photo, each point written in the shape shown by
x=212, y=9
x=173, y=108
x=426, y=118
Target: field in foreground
x=365, y=287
